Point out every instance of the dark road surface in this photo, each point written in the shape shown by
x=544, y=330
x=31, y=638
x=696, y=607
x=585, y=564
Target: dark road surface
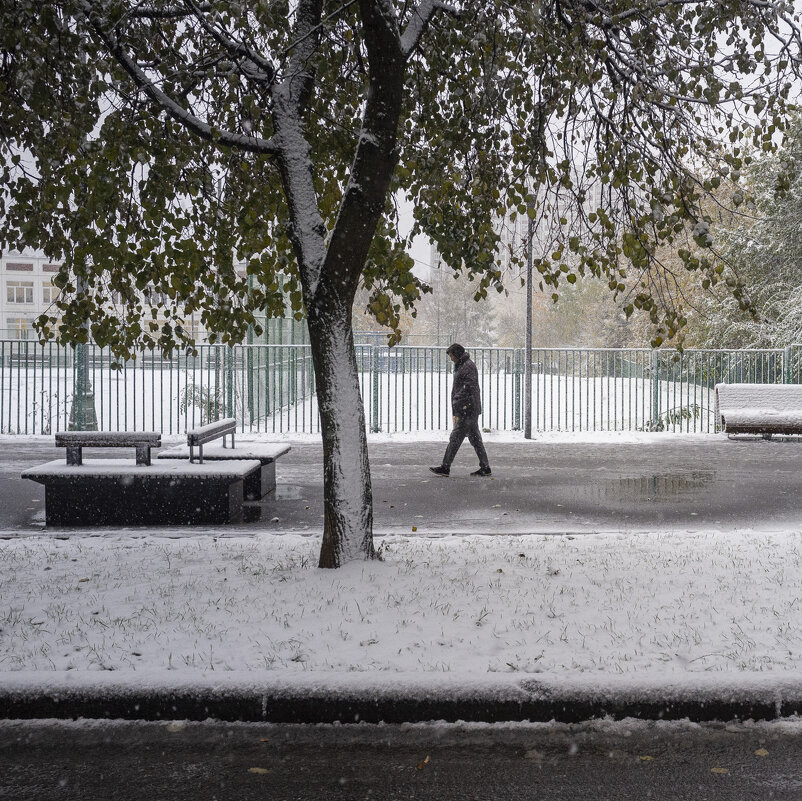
x=536, y=487
x=201, y=762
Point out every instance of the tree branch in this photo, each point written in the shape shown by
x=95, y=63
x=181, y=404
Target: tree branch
x=375, y=158
x=170, y=12
x=256, y=66
x=181, y=115
x=419, y=21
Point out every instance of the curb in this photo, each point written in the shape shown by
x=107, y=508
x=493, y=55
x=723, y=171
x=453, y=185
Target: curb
x=314, y=707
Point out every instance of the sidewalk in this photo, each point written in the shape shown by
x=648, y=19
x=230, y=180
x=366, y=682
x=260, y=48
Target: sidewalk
x=673, y=620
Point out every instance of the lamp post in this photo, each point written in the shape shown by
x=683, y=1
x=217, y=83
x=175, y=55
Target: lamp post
x=82, y=411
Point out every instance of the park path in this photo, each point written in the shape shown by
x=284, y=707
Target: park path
x=541, y=486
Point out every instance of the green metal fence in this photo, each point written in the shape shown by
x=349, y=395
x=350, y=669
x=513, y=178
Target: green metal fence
x=271, y=388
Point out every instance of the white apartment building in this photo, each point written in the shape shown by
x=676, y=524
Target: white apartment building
x=26, y=291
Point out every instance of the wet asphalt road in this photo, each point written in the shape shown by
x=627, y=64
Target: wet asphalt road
x=687, y=484
x=57, y=761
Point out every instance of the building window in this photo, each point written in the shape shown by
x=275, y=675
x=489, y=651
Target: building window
x=19, y=291
x=51, y=268
x=49, y=293
x=19, y=327
x=19, y=267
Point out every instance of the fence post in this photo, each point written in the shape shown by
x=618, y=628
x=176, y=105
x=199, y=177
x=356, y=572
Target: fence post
x=655, y=380
x=374, y=377
x=516, y=402
x=787, y=365
x=230, y=411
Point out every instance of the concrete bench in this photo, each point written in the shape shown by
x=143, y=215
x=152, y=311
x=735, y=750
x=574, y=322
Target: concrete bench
x=198, y=437
x=76, y=441
x=258, y=484
x=133, y=492
x=763, y=409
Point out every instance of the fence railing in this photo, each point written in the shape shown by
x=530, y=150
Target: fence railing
x=271, y=388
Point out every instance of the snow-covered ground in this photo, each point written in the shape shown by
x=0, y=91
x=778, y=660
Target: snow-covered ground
x=644, y=608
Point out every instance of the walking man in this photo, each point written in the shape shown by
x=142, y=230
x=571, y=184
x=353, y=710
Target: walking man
x=466, y=406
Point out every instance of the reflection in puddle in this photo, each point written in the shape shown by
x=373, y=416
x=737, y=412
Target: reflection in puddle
x=666, y=486
x=266, y=508
x=288, y=492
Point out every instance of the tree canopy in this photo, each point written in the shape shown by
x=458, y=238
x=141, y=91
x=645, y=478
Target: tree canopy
x=140, y=143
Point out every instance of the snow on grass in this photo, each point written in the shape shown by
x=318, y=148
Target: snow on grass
x=656, y=605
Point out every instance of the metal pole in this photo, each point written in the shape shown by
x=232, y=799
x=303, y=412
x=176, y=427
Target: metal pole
x=528, y=347
x=82, y=411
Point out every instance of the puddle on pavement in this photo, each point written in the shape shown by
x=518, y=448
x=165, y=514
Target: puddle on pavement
x=266, y=509
x=289, y=492
x=665, y=486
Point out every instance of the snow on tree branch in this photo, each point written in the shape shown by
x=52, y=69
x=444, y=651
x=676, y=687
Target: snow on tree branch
x=253, y=64
x=418, y=22
x=252, y=144
x=170, y=12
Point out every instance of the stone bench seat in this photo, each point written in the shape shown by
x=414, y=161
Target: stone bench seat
x=257, y=485
x=764, y=409
x=218, y=429
x=121, y=492
x=76, y=441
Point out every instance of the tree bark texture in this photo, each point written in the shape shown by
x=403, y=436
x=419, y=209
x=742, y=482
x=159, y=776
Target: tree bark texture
x=347, y=493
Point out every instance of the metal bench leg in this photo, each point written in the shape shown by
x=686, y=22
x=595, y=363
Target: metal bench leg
x=74, y=455
x=143, y=454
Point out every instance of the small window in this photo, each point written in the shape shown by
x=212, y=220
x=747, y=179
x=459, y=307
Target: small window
x=19, y=267
x=19, y=291
x=19, y=327
x=49, y=293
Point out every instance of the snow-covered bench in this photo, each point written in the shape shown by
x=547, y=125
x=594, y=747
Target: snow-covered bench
x=759, y=408
x=135, y=492
x=257, y=484
x=76, y=441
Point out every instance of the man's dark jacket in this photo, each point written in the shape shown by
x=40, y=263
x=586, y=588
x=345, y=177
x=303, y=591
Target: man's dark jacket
x=466, y=398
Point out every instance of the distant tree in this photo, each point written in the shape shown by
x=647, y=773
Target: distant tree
x=153, y=143
x=762, y=245
x=451, y=314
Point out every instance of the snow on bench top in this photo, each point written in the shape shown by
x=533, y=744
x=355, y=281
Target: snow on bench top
x=125, y=468
x=107, y=438
x=763, y=416
x=777, y=397
x=242, y=450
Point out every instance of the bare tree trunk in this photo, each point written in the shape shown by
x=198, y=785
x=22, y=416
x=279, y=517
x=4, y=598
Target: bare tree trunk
x=347, y=494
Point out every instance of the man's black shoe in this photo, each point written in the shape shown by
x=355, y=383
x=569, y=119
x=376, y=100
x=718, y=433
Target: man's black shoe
x=440, y=471
x=482, y=471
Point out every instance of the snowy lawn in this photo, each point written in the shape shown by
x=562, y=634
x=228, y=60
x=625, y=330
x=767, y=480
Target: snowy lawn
x=652, y=606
